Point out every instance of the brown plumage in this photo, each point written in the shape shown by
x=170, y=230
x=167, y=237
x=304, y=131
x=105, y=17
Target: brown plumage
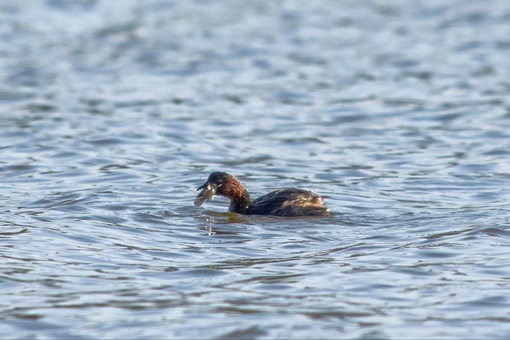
x=282, y=202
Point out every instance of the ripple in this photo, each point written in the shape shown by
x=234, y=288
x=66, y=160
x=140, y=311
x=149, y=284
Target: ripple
x=109, y=125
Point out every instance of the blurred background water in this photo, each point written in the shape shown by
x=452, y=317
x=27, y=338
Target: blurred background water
x=112, y=113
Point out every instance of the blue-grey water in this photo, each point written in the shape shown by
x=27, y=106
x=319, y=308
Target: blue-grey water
x=112, y=113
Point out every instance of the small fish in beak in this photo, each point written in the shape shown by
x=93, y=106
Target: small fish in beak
x=207, y=193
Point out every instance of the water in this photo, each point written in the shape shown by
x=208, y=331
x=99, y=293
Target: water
x=113, y=113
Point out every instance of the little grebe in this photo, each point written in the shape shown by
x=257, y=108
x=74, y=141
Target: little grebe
x=283, y=202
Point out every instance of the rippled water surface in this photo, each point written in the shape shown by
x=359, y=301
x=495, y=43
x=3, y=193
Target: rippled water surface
x=114, y=112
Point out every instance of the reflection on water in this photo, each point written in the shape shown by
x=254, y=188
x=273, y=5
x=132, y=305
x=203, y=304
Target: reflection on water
x=397, y=113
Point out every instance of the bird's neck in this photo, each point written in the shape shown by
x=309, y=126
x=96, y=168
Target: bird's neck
x=240, y=201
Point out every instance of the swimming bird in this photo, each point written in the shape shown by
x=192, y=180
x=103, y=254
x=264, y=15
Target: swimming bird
x=282, y=202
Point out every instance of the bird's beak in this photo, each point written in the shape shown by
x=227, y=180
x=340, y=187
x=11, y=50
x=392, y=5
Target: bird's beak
x=207, y=193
